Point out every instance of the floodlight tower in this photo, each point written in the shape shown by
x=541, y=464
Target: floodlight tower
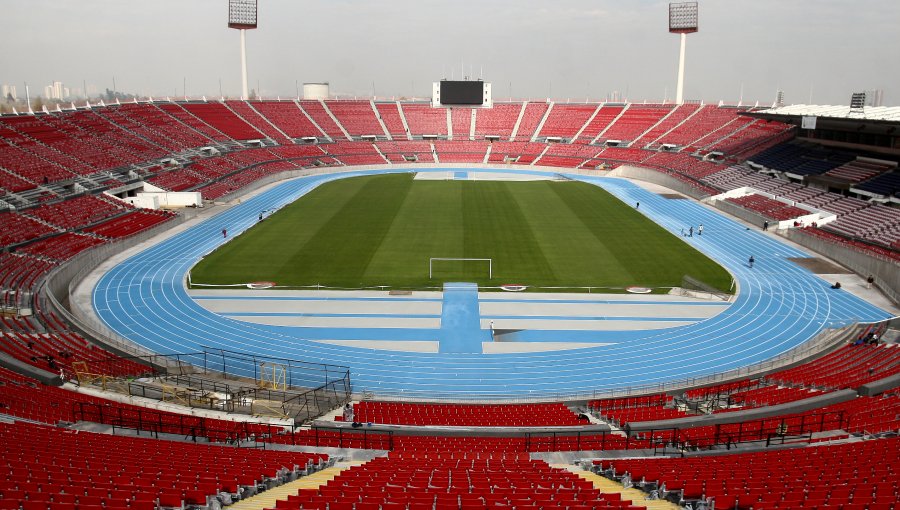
x=242, y=16
x=683, y=21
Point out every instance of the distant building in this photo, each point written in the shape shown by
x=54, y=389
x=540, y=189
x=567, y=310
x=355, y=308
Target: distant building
x=875, y=97
x=8, y=90
x=56, y=90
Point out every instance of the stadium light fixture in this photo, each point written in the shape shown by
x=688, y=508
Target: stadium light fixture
x=683, y=20
x=242, y=15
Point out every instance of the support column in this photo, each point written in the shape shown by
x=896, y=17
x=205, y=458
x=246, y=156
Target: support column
x=679, y=91
x=246, y=95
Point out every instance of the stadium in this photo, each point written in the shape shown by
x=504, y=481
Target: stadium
x=457, y=301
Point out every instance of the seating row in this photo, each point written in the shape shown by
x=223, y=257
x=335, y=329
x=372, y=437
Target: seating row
x=667, y=126
x=852, y=476
x=50, y=467
x=490, y=415
x=420, y=483
x=768, y=207
x=536, y=442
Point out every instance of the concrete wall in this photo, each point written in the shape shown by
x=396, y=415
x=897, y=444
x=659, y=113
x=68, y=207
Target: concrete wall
x=739, y=212
x=60, y=282
x=174, y=199
x=144, y=200
x=437, y=430
x=758, y=413
x=658, y=177
x=43, y=376
x=886, y=272
x=880, y=386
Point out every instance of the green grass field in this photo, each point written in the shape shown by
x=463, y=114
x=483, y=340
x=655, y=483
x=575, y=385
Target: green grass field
x=382, y=230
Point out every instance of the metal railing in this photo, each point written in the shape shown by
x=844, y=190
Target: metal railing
x=155, y=422
x=191, y=380
x=770, y=431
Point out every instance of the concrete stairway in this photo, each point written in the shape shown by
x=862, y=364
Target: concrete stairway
x=606, y=485
x=269, y=498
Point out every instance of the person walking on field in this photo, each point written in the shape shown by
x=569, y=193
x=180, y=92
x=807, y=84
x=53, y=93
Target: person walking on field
x=224, y=233
x=700, y=230
x=751, y=261
x=691, y=231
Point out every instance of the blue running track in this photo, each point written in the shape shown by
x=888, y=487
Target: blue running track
x=779, y=306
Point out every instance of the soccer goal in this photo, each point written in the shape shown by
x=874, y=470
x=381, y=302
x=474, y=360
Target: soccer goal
x=459, y=263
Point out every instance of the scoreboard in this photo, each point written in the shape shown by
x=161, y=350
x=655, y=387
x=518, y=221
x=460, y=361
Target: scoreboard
x=473, y=93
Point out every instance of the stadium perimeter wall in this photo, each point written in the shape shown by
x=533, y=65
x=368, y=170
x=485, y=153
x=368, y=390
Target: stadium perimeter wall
x=59, y=288
x=886, y=272
x=281, y=176
x=739, y=212
x=657, y=177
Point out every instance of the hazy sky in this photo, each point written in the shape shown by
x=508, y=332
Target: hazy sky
x=578, y=49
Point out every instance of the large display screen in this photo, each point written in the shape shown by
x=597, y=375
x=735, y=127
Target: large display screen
x=462, y=92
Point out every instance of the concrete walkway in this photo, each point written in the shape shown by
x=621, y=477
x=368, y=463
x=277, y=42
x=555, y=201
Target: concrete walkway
x=269, y=498
x=637, y=497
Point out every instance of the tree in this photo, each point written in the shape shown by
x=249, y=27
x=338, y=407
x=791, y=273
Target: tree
x=9, y=98
x=37, y=104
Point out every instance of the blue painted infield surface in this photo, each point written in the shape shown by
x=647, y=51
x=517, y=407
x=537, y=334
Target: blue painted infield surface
x=460, y=175
x=593, y=318
x=305, y=314
x=460, y=325
x=241, y=297
x=605, y=301
x=780, y=305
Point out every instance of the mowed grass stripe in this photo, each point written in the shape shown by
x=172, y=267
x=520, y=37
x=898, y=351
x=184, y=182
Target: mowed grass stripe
x=496, y=228
x=381, y=230
x=343, y=247
x=323, y=238
x=427, y=225
x=264, y=252
x=579, y=255
x=645, y=252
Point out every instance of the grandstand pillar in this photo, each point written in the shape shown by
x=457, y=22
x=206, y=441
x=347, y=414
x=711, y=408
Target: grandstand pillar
x=679, y=91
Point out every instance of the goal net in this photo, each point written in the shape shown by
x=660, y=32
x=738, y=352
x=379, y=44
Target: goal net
x=446, y=267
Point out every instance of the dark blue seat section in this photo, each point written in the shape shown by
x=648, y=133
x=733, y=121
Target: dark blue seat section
x=802, y=159
x=885, y=184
